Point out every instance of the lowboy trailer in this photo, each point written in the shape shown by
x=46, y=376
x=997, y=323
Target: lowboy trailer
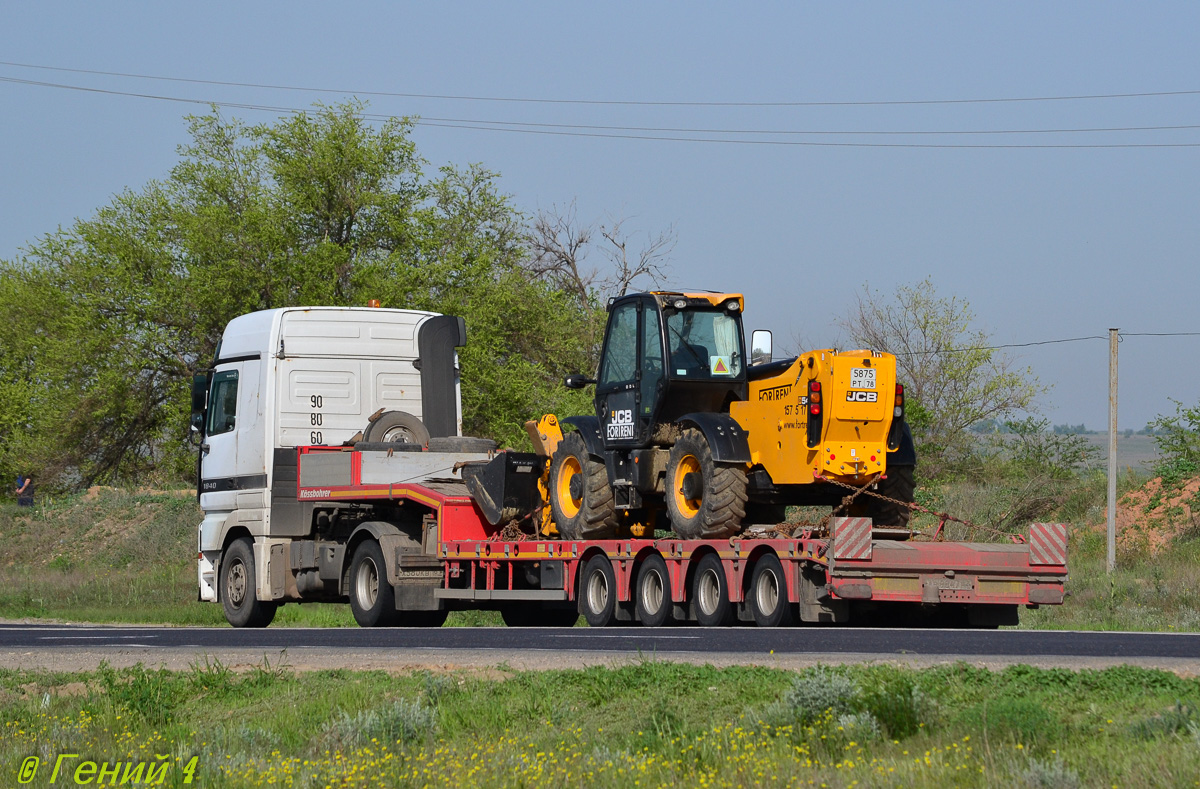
x=760, y=577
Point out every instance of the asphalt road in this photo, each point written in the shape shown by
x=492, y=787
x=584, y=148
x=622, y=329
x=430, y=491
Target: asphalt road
x=881, y=642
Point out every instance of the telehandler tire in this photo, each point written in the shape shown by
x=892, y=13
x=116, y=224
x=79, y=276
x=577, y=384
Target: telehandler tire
x=238, y=587
x=705, y=500
x=899, y=485
x=581, y=499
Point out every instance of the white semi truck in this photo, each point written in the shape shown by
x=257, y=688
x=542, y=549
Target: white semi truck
x=317, y=377
x=332, y=468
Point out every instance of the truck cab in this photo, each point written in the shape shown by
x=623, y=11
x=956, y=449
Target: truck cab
x=309, y=376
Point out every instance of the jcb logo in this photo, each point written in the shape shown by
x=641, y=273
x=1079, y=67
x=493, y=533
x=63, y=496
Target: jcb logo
x=861, y=397
x=620, y=425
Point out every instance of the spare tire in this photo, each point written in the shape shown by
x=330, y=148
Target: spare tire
x=461, y=444
x=397, y=427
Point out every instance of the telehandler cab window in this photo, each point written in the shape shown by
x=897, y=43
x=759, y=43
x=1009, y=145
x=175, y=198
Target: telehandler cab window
x=704, y=344
x=620, y=352
x=222, y=402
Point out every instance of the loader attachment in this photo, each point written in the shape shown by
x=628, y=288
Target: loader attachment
x=505, y=487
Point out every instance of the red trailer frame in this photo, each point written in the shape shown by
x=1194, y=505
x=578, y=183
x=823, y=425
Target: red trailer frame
x=849, y=565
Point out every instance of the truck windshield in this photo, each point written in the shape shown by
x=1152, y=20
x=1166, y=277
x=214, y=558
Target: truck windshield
x=704, y=344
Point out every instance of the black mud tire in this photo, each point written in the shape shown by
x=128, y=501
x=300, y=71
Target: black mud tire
x=768, y=595
x=461, y=444
x=899, y=484
x=581, y=500
x=713, y=512
x=372, y=599
x=238, y=583
x=397, y=427
x=653, y=606
x=710, y=593
x=598, y=592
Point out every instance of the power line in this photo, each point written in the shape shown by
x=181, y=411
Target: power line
x=579, y=131
x=612, y=102
x=1046, y=342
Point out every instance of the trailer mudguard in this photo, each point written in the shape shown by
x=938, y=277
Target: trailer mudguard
x=589, y=430
x=906, y=453
x=725, y=437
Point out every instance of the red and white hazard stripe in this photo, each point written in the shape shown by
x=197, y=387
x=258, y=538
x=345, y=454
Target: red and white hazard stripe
x=1048, y=543
x=852, y=538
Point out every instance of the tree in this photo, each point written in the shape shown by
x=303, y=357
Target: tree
x=952, y=379
x=1178, y=440
x=559, y=245
x=107, y=320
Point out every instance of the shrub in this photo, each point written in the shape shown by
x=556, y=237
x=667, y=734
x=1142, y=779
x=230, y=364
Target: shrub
x=1177, y=720
x=819, y=691
x=401, y=721
x=1051, y=774
x=898, y=703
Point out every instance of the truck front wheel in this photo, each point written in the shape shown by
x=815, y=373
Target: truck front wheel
x=372, y=599
x=238, y=586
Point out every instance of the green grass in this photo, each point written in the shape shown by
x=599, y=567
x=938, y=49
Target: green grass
x=650, y=724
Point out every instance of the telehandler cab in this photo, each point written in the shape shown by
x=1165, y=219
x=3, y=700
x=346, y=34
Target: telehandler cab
x=684, y=424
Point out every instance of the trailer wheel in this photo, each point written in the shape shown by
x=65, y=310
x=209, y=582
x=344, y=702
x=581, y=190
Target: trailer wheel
x=581, y=499
x=653, y=606
x=710, y=593
x=706, y=501
x=768, y=593
x=372, y=599
x=397, y=427
x=899, y=484
x=598, y=592
x=238, y=584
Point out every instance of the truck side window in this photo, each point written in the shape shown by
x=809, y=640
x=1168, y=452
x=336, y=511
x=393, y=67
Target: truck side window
x=222, y=402
x=652, y=358
x=620, y=354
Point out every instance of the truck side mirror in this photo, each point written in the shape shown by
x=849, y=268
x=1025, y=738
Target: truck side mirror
x=577, y=381
x=760, y=346
x=199, y=393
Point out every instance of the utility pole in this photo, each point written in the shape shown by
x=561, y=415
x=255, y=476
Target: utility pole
x=1112, y=450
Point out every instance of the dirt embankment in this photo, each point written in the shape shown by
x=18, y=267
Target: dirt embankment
x=1156, y=515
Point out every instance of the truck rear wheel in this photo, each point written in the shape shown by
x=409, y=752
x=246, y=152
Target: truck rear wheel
x=706, y=500
x=238, y=586
x=768, y=593
x=653, y=607
x=598, y=592
x=581, y=499
x=372, y=599
x=898, y=484
x=710, y=593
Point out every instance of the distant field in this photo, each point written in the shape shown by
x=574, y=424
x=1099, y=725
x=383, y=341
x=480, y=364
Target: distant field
x=1136, y=452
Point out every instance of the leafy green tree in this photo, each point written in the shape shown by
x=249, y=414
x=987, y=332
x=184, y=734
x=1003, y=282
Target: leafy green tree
x=952, y=379
x=107, y=320
x=1178, y=440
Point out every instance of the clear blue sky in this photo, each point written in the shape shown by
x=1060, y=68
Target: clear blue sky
x=1044, y=243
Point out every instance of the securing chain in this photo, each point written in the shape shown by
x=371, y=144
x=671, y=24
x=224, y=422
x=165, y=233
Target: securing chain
x=943, y=517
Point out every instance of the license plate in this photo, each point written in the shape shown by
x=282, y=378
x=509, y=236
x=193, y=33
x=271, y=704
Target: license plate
x=862, y=377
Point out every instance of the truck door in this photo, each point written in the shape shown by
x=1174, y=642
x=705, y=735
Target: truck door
x=234, y=460
x=631, y=371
